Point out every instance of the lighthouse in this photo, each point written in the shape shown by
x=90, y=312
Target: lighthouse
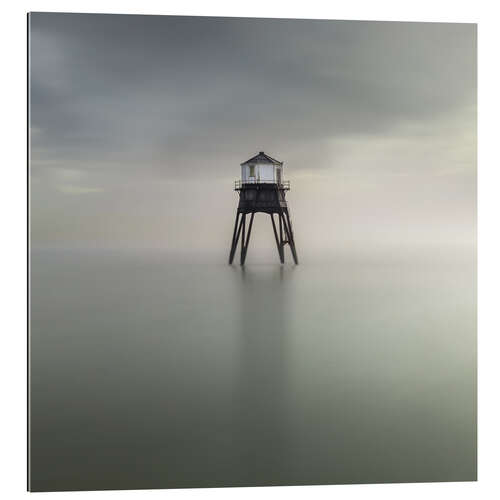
x=262, y=188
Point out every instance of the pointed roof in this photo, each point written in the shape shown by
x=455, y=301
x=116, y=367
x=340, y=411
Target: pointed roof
x=262, y=158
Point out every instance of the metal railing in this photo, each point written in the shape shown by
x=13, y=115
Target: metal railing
x=239, y=184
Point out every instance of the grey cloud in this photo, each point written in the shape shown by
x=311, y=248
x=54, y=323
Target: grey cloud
x=145, y=99
x=122, y=87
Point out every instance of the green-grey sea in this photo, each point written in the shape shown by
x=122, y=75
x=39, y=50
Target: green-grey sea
x=158, y=370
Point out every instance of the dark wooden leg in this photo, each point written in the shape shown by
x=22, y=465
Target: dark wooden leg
x=243, y=220
x=278, y=241
x=291, y=240
x=234, y=241
x=281, y=236
x=244, y=255
x=285, y=230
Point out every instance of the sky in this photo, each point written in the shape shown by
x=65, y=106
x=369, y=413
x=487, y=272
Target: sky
x=138, y=125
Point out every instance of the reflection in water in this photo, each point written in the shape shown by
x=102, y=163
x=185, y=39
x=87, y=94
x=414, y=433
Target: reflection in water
x=154, y=371
x=263, y=385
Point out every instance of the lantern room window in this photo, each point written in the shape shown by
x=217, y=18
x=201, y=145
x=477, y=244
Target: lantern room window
x=252, y=171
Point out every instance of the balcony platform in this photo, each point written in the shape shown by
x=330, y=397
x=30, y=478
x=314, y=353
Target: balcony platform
x=283, y=185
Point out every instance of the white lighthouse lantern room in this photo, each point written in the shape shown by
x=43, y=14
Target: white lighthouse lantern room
x=262, y=169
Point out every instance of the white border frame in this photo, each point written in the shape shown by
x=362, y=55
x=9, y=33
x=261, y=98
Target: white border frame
x=13, y=205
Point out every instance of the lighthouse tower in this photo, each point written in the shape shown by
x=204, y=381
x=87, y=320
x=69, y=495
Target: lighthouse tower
x=262, y=189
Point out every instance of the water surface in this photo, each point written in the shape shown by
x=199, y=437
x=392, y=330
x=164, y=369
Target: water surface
x=153, y=370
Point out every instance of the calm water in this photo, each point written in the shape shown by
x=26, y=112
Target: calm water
x=156, y=371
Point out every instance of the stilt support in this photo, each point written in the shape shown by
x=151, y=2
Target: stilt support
x=279, y=244
x=283, y=235
x=244, y=242
x=236, y=235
